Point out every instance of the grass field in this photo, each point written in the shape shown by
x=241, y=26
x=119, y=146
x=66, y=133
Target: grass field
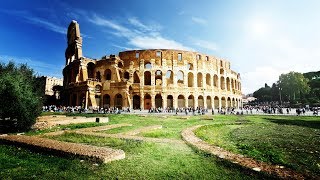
x=290, y=141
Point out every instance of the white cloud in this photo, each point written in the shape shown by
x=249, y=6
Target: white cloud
x=139, y=35
x=157, y=42
x=198, y=20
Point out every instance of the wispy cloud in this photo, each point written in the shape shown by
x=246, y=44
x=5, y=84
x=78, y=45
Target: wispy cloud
x=39, y=67
x=138, y=34
x=198, y=20
x=44, y=23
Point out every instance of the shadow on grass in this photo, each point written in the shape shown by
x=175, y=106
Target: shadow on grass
x=304, y=123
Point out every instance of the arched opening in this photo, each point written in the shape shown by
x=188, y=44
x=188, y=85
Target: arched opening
x=147, y=65
x=147, y=78
x=199, y=80
x=234, y=103
x=82, y=100
x=98, y=100
x=229, y=102
x=169, y=77
x=216, y=102
x=147, y=101
x=158, y=100
x=158, y=78
x=180, y=77
x=136, y=102
x=208, y=80
x=200, y=101
x=222, y=83
x=191, y=101
x=222, y=71
x=126, y=75
x=215, y=80
x=190, y=79
x=232, y=84
x=90, y=69
x=209, y=104
x=228, y=83
x=190, y=66
x=169, y=101
x=106, y=101
x=108, y=74
x=98, y=76
x=223, y=102
x=118, y=101
x=120, y=65
x=98, y=89
x=181, y=101
x=136, y=78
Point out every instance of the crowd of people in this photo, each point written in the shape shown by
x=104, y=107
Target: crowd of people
x=187, y=111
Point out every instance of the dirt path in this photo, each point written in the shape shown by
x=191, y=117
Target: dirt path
x=279, y=171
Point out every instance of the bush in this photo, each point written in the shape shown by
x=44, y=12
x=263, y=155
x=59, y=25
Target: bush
x=20, y=98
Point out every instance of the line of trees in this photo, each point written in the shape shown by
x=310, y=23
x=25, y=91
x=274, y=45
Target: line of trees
x=292, y=88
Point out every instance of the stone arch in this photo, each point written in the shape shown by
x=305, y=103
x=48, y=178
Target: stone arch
x=136, y=102
x=223, y=102
x=169, y=77
x=191, y=101
x=208, y=79
x=228, y=84
x=147, y=101
x=215, y=80
x=216, y=102
x=106, y=101
x=209, y=103
x=199, y=79
x=221, y=71
x=158, y=100
x=107, y=74
x=126, y=75
x=200, y=101
x=229, y=102
x=170, y=101
x=120, y=64
x=90, y=69
x=98, y=76
x=147, y=65
x=136, y=78
x=158, y=78
x=118, y=101
x=222, y=83
x=147, y=78
x=190, y=79
x=181, y=101
x=180, y=77
x=190, y=66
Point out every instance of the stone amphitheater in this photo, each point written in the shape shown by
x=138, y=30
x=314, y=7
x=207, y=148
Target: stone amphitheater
x=144, y=79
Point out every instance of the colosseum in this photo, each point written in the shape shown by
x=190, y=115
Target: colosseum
x=150, y=78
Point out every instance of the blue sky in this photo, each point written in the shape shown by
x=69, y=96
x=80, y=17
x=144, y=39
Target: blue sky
x=261, y=39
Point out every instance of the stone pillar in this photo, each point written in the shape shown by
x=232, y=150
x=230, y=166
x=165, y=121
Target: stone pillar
x=175, y=101
x=196, y=101
x=142, y=101
x=153, y=81
x=164, y=101
x=204, y=101
x=186, y=101
x=220, y=103
x=153, y=103
x=195, y=80
x=87, y=98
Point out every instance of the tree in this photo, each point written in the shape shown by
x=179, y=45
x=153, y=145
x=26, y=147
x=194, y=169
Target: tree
x=20, y=98
x=263, y=94
x=293, y=85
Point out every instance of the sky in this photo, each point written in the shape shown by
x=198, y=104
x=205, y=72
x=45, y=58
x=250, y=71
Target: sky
x=261, y=39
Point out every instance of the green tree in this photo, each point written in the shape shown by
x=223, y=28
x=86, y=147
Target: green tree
x=263, y=94
x=20, y=99
x=293, y=85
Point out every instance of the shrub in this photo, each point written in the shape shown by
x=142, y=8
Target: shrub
x=20, y=98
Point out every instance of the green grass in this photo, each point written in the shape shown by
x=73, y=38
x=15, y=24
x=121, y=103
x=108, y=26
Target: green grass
x=290, y=141
x=285, y=140
x=143, y=160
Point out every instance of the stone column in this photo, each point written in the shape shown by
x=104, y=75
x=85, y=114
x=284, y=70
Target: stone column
x=204, y=101
x=186, y=101
x=164, y=101
x=87, y=98
x=153, y=103
x=195, y=101
x=220, y=103
x=175, y=101
x=142, y=101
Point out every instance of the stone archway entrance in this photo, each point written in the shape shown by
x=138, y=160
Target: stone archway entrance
x=147, y=101
x=158, y=101
x=136, y=102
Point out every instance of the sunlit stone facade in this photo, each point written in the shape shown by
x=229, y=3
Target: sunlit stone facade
x=148, y=78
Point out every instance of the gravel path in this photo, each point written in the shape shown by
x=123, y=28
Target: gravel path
x=279, y=171
x=98, y=154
